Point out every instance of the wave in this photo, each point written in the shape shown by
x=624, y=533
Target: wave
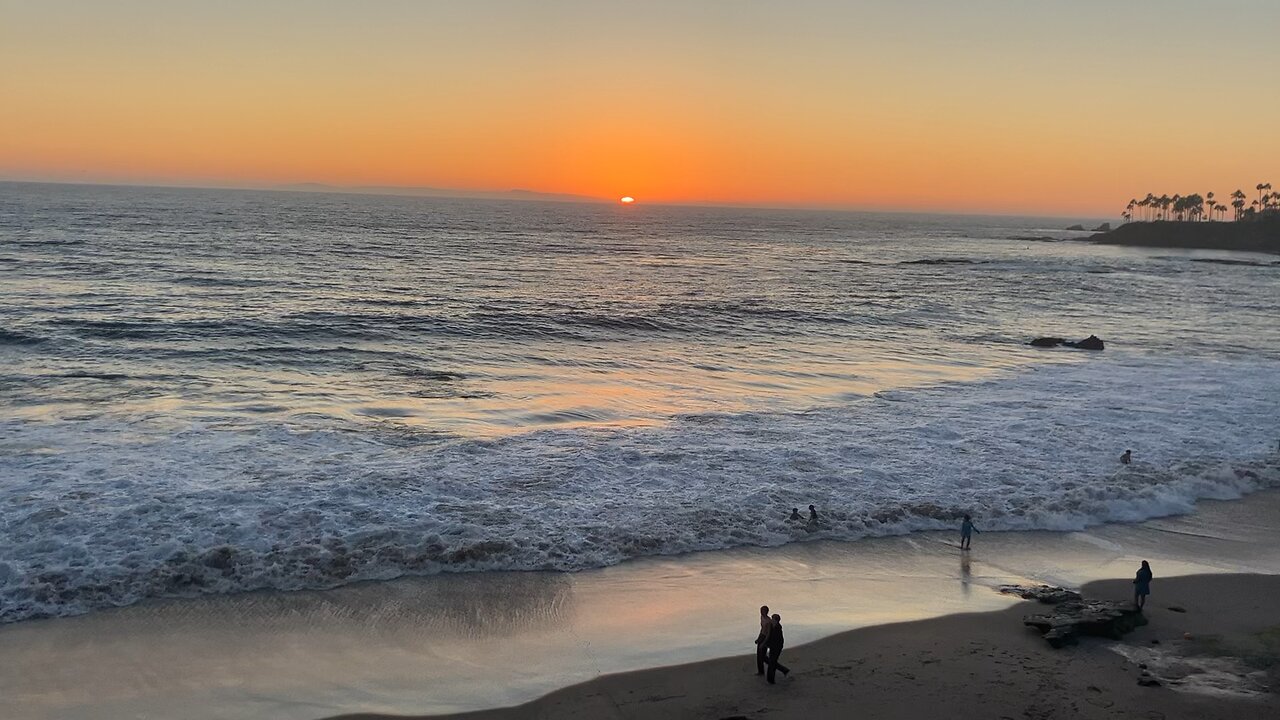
x=543, y=322
x=13, y=337
x=942, y=261
x=122, y=513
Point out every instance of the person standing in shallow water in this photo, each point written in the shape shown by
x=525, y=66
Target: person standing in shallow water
x=1127, y=457
x=766, y=623
x=1142, y=585
x=967, y=529
x=774, y=645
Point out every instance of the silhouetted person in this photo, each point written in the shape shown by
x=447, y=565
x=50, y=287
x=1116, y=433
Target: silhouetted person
x=774, y=644
x=1142, y=585
x=967, y=529
x=1127, y=457
x=765, y=625
x=795, y=515
x=813, y=515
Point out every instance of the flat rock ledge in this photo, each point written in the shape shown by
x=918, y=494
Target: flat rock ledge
x=1073, y=616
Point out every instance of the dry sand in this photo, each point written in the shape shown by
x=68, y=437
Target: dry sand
x=979, y=665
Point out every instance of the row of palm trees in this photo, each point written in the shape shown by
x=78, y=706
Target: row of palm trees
x=1195, y=208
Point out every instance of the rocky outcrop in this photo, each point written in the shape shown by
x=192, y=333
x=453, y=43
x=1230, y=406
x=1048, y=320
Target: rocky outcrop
x=1042, y=593
x=1076, y=228
x=1093, y=342
x=1071, y=619
x=1257, y=235
x=1104, y=227
x=1073, y=616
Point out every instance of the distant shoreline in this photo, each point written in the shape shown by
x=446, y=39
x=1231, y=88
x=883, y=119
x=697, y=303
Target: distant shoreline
x=1245, y=236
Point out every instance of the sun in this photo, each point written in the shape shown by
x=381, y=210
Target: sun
x=626, y=200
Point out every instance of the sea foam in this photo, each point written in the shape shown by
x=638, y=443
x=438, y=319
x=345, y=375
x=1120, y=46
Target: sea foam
x=98, y=514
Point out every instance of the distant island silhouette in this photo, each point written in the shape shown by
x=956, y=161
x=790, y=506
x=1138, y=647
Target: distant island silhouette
x=1196, y=221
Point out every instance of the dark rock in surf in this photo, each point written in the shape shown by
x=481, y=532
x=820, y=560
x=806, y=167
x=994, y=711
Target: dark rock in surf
x=1093, y=342
x=1104, y=227
x=1047, y=342
x=1077, y=228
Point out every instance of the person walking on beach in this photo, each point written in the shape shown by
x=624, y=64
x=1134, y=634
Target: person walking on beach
x=774, y=645
x=1142, y=586
x=1127, y=457
x=766, y=624
x=967, y=529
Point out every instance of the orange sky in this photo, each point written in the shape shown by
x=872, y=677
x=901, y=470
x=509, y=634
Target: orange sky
x=988, y=105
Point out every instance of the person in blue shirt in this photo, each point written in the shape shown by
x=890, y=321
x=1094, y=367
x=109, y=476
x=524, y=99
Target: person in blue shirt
x=967, y=529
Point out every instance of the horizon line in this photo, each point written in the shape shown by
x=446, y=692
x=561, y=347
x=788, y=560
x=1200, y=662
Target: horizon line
x=526, y=195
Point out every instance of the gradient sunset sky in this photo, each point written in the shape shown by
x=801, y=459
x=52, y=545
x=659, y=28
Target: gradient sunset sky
x=1015, y=106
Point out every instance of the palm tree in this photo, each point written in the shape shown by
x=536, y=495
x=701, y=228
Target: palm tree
x=1128, y=210
x=1221, y=210
x=1237, y=202
x=1208, y=198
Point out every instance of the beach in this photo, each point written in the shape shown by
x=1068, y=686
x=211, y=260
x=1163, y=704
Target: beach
x=475, y=642
x=979, y=665
x=299, y=455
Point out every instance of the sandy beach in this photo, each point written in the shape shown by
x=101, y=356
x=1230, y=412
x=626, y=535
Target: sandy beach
x=1213, y=657
x=473, y=642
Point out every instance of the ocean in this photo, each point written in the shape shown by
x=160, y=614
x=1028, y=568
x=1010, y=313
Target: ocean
x=218, y=391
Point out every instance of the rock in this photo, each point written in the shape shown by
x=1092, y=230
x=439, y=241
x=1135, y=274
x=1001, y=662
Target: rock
x=1044, y=593
x=1177, y=608
x=1093, y=342
x=1046, y=342
x=1073, y=618
x=1104, y=227
x=1155, y=641
x=1078, y=228
x=1148, y=681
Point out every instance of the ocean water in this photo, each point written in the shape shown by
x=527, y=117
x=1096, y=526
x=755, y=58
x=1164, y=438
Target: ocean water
x=219, y=391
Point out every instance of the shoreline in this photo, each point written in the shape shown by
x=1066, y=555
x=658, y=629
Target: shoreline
x=418, y=645
x=977, y=665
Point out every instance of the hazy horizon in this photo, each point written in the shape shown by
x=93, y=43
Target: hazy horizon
x=526, y=195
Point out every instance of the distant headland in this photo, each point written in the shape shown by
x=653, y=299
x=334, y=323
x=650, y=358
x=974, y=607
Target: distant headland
x=1195, y=221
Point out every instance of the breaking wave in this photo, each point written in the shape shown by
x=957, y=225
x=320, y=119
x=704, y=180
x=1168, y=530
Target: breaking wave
x=111, y=515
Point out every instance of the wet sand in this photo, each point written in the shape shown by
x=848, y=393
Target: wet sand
x=1215, y=656
x=470, y=642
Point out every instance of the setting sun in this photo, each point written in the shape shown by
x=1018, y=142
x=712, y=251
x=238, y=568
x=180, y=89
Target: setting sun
x=627, y=200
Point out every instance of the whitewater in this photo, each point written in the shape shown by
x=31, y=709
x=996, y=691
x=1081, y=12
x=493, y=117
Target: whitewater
x=223, y=391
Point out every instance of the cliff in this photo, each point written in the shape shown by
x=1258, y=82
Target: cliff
x=1261, y=235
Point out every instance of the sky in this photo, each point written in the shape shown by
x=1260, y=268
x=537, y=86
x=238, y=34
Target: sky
x=1012, y=106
